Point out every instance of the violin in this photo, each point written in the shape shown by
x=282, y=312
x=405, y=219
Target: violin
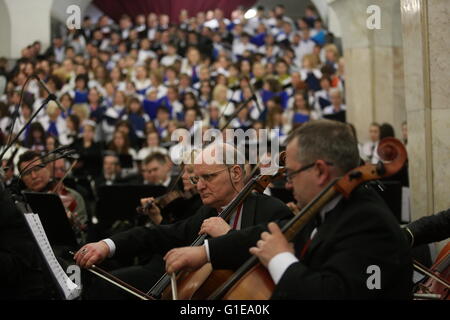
x=252, y=280
x=69, y=202
x=167, y=198
x=201, y=283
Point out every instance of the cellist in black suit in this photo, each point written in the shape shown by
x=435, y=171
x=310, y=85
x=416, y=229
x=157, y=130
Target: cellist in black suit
x=355, y=249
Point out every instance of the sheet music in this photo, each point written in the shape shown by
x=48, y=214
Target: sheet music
x=70, y=289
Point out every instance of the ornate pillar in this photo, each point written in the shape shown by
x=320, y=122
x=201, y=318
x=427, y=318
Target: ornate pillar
x=25, y=22
x=373, y=63
x=427, y=73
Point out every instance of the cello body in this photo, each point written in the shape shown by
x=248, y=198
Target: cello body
x=442, y=268
x=198, y=285
x=257, y=284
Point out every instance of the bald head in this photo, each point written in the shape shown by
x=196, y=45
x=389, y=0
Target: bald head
x=221, y=154
x=218, y=175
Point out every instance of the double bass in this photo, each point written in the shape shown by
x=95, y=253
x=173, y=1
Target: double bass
x=252, y=281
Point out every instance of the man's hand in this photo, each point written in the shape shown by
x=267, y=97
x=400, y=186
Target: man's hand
x=152, y=212
x=215, y=227
x=186, y=258
x=92, y=253
x=293, y=207
x=271, y=244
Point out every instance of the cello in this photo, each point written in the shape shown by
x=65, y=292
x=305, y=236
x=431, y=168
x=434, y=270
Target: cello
x=252, y=281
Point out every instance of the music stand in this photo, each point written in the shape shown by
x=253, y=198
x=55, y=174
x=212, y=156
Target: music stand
x=54, y=219
x=126, y=161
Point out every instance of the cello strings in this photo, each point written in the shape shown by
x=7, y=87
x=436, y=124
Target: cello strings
x=173, y=280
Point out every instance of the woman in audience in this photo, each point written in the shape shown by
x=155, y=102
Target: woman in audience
x=151, y=145
x=276, y=124
x=51, y=143
x=310, y=73
x=96, y=109
x=90, y=162
x=36, y=137
x=300, y=111
x=220, y=99
x=70, y=135
x=136, y=116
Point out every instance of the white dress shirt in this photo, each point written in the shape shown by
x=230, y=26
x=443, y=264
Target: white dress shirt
x=112, y=247
x=281, y=262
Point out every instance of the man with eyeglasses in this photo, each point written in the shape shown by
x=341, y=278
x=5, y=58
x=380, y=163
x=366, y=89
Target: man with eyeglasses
x=38, y=177
x=218, y=184
x=353, y=250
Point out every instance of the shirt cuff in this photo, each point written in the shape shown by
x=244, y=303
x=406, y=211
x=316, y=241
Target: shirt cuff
x=279, y=264
x=111, y=246
x=206, y=245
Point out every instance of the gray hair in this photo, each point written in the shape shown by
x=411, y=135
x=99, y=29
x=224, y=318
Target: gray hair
x=326, y=140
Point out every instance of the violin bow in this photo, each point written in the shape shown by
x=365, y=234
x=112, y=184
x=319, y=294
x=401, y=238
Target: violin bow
x=117, y=282
x=421, y=268
x=60, y=182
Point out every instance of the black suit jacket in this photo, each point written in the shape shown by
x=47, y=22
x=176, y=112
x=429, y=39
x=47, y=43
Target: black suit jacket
x=358, y=233
x=21, y=275
x=429, y=229
x=258, y=209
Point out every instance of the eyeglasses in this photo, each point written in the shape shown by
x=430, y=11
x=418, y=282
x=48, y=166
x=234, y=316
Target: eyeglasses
x=206, y=177
x=291, y=175
x=35, y=169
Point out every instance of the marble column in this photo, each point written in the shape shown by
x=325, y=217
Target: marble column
x=373, y=63
x=23, y=22
x=426, y=45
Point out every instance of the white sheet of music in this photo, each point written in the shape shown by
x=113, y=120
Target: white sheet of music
x=70, y=289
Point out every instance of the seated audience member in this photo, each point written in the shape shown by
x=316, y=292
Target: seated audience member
x=151, y=146
x=111, y=173
x=120, y=145
x=370, y=147
x=90, y=152
x=336, y=102
x=156, y=170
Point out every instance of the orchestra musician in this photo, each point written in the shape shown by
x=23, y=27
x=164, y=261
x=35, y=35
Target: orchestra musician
x=217, y=184
x=354, y=250
x=428, y=229
x=39, y=179
x=21, y=272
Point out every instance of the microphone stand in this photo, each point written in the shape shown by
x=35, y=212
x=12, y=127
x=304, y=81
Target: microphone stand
x=49, y=98
x=244, y=104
